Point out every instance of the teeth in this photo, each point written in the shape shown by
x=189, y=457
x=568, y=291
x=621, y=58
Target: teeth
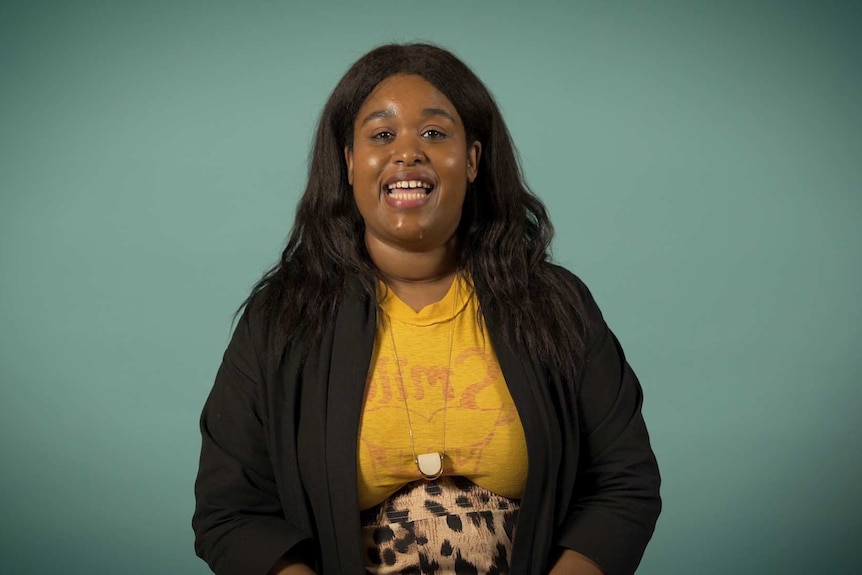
x=409, y=184
x=407, y=195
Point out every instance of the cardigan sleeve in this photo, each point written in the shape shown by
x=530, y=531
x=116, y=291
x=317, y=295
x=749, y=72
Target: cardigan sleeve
x=239, y=522
x=616, y=499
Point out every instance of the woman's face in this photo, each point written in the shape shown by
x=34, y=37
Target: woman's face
x=410, y=164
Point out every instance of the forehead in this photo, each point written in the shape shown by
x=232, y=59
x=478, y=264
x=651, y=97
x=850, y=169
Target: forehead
x=405, y=94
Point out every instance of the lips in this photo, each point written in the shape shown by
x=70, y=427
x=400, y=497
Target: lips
x=409, y=181
x=408, y=190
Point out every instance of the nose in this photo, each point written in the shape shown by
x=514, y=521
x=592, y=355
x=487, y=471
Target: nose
x=408, y=151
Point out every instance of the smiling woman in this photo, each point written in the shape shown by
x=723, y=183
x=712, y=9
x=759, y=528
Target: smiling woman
x=414, y=387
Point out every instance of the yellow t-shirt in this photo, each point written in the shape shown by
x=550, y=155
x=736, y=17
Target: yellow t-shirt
x=483, y=434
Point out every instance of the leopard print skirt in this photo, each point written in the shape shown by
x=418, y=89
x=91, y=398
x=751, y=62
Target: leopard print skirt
x=450, y=525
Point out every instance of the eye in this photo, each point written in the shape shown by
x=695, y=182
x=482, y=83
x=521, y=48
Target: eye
x=433, y=134
x=382, y=136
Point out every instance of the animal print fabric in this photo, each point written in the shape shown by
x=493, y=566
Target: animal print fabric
x=449, y=525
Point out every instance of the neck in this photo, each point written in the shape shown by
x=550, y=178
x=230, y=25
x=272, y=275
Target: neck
x=418, y=278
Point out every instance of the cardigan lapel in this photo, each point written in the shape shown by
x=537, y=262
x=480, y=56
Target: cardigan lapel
x=352, y=347
x=525, y=380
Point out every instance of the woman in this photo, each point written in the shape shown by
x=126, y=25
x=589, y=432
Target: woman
x=414, y=388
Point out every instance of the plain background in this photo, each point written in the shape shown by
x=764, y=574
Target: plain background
x=701, y=162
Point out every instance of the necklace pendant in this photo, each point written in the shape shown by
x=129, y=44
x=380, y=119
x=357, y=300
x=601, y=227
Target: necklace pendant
x=430, y=465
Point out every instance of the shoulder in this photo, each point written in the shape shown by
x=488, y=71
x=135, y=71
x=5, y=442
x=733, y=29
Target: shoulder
x=254, y=330
x=257, y=313
x=563, y=274
x=274, y=330
x=574, y=288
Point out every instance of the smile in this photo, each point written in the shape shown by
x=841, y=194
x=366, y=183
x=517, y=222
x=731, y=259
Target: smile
x=408, y=190
x=404, y=189
x=407, y=193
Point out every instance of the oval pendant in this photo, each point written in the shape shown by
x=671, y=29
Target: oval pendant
x=430, y=465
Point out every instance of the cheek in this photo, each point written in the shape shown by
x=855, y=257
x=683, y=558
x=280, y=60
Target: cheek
x=368, y=167
x=456, y=165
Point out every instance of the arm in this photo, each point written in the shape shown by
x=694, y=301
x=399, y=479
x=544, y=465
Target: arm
x=285, y=566
x=573, y=563
x=239, y=518
x=616, y=498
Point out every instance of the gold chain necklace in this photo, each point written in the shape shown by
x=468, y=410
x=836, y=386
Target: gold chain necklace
x=430, y=465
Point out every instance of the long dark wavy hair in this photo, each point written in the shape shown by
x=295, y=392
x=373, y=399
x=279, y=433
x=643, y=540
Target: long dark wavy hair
x=504, y=233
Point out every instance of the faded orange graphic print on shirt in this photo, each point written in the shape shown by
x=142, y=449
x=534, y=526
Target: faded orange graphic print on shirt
x=481, y=420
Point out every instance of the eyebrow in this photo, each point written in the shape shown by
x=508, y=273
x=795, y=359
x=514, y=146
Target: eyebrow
x=389, y=113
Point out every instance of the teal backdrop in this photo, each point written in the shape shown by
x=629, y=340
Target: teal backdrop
x=701, y=162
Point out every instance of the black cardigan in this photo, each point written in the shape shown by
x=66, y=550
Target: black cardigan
x=279, y=447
